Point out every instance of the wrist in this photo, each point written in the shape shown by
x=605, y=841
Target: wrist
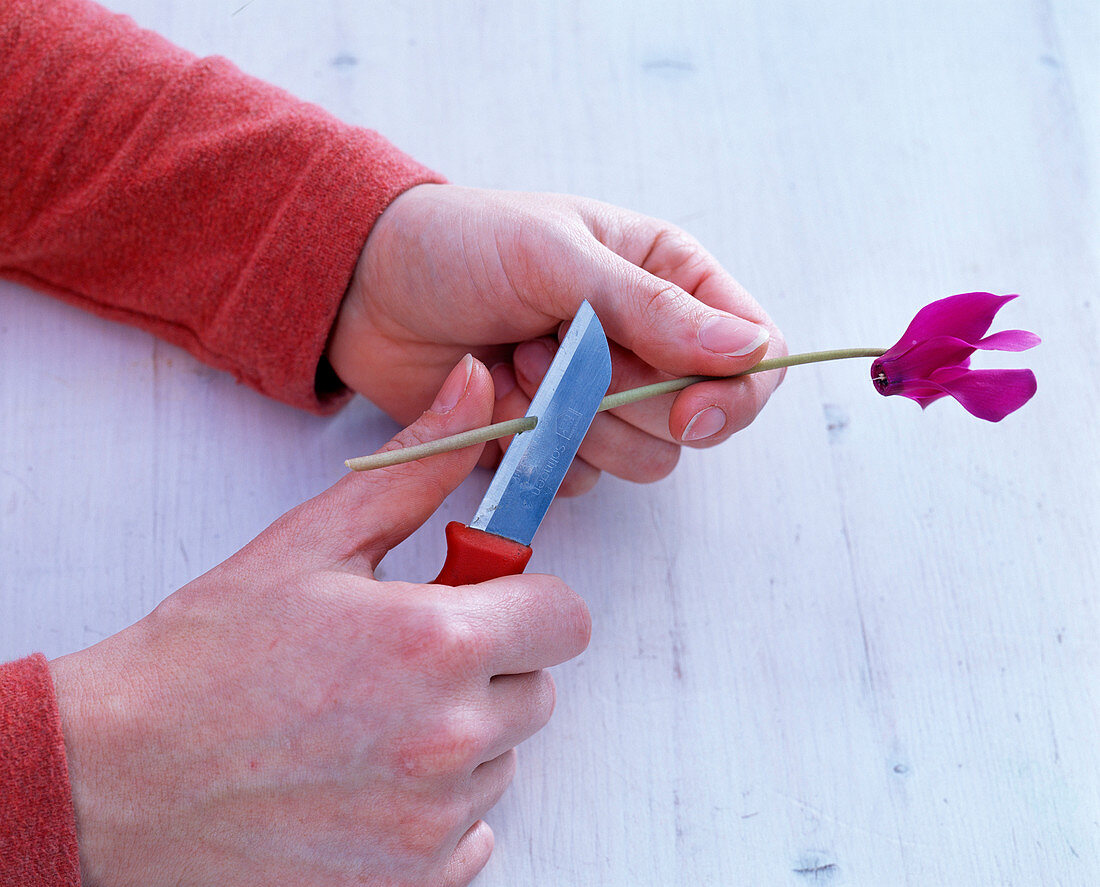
x=365, y=353
x=104, y=733
x=77, y=714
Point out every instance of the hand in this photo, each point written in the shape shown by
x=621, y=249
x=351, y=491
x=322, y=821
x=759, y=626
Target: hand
x=451, y=270
x=289, y=719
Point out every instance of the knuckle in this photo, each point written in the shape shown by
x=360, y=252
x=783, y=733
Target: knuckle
x=446, y=751
x=463, y=744
x=176, y=608
x=674, y=249
x=441, y=641
x=421, y=833
x=463, y=647
x=655, y=307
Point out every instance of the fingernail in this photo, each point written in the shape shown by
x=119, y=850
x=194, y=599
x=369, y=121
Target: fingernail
x=705, y=423
x=455, y=386
x=533, y=359
x=504, y=380
x=731, y=336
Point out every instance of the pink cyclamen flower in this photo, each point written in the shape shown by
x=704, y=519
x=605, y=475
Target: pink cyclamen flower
x=932, y=358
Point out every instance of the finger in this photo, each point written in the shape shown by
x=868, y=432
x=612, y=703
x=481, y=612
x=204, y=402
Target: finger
x=491, y=779
x=509, y=403
x=490, y=455
x=665, y=324
x=679, y=418
x=674, y=331
x=649, y=415
x=528, y=622
x=579, y=478
x=667, y=251
x=699, y=416
x=722, y=290
x=668, y=416
x=619, y=448
x=512, y=402
x=518, y=706
x=674, y=255
x=367, y=513
x=469, y=857
x=709, y=412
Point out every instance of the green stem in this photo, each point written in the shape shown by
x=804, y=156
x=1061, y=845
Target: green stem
x=618, y=399
x=773, y=363
x=444, y=445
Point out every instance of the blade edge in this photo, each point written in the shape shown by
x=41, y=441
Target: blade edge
x=535, y=464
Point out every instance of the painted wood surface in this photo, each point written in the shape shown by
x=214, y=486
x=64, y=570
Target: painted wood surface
x=855, y=645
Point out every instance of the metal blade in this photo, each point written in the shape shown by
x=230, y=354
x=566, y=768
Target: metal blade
x=565, y=404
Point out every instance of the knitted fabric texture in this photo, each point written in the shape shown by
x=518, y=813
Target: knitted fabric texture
x=183, y=196
x=37, y=826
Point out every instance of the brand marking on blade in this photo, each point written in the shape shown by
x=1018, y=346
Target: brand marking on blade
x=539, y=481
x=567, y=423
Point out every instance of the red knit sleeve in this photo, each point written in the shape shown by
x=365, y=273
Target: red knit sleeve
x=37, y=823
x=180, y=195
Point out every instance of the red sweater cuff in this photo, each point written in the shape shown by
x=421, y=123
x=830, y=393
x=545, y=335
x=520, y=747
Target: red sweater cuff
x=276, y=322
x=37, y=823
x=181, y=195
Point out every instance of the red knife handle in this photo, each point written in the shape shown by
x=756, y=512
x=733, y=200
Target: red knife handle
x=477, y=556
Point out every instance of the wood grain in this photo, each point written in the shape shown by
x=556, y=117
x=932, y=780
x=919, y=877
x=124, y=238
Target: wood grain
x=856, y=644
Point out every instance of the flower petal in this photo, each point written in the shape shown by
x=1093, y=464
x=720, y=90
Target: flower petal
x=966, y=316
x=919, y=361
x=925, y=399
x=1009, y=340
x=987, y=394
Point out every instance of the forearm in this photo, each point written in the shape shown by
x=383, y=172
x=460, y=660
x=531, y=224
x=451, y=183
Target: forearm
x=180, y=195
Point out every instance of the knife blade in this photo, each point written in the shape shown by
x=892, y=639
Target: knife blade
x=498, y=540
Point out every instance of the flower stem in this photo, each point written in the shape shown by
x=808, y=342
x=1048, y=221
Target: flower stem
x=444, y=445
x=618, y=399
x=773, y=363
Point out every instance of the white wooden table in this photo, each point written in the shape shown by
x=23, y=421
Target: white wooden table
x=855, y=645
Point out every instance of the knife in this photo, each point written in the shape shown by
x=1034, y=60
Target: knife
x=498, y=540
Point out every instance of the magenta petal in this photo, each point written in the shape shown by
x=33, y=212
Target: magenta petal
x=966, y=316
x=1009, y=340
x=987, y=394
x=924, y=358
x=922, y=392
x=925, y=399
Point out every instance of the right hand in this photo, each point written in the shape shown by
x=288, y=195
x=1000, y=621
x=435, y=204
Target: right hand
x=289, y=719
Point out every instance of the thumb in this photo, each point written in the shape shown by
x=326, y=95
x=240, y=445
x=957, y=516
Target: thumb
x=366, y=514
x=676, y=330
x=662, y=295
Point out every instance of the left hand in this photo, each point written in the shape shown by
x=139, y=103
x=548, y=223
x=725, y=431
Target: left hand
x=447, y=270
